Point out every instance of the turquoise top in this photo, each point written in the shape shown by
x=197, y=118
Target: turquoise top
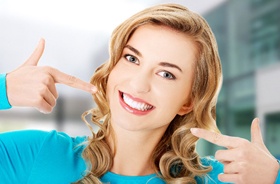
x=34, y=156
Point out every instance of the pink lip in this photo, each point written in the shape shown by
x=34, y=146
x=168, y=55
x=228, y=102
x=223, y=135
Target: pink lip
x=131, y=110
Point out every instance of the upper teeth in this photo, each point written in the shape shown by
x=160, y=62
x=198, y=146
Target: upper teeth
x=136, y=105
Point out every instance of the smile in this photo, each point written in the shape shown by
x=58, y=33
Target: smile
x=134, y=105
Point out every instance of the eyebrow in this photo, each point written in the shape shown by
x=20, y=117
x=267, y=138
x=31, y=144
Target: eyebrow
x=133, y=50
x=165, y=64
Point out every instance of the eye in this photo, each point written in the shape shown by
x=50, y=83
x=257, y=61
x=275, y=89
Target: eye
x=131, y=59
x=167, y=75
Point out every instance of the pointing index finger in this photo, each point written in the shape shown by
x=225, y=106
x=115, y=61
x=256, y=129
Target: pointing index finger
x=216, y=138
x=69, y=80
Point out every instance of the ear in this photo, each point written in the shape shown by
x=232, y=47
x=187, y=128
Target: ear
x=186, y=108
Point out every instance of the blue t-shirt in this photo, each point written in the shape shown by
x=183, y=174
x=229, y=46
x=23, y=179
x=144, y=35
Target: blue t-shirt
x=34, y=156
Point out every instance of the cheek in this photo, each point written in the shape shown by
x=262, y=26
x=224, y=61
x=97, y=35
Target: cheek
x=113, y=76
x=110, y=85
x=114, y=80
x=116, y=72
x=177, y=96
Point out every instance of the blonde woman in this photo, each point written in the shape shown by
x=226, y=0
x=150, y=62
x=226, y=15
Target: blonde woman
x=156, y=93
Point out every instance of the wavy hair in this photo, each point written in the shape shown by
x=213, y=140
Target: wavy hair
x=175, y=157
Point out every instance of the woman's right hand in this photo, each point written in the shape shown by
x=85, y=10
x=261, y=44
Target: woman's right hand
x=34, y=86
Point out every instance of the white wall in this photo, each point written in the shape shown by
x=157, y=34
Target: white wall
x=267, y=92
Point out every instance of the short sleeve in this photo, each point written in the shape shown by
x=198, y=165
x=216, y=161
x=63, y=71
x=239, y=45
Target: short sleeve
x=4, y=103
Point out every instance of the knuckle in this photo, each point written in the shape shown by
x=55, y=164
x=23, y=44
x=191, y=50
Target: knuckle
x=238, y=179
x=243, y=154
x=47, y=69
x=43, y=107
x=242, y=179
x=47, y=80
x=244, y=142
x=218, y=154
x=42, y=91
x=45, y=75
x=242, y=167
x=72, y=79
x=39, y=102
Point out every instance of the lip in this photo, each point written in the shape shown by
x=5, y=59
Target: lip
x=130, y=109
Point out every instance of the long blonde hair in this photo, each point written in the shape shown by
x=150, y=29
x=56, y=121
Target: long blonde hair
x=175, y=157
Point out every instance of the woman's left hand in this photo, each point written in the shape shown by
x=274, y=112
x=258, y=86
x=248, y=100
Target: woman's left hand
x=244, y=162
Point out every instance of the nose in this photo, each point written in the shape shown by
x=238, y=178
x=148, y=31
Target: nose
x=141, y=82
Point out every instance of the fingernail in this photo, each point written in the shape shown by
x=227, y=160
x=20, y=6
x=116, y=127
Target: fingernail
x=41, y=111
x=94, y=89
x=194, y=130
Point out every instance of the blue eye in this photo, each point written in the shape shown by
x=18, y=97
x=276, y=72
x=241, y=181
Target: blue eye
x=131, y=59
x=167, y=75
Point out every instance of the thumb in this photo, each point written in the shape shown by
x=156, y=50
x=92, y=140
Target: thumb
x=256, y=134
x=36, y=55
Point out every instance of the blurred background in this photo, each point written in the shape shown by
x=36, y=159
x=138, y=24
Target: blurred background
x=77, y=35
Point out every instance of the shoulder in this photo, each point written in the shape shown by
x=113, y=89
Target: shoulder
x=39, y=137
x=32, y=139
x=61, y=157
x=54, y=138
x=29, y=143
x=42, y=156
x=212, y=176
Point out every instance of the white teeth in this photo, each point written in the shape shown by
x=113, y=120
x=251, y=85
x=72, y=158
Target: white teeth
x=136, y=105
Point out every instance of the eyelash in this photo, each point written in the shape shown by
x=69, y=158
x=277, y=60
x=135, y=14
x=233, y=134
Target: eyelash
x=161, y=73
x=168, y=78
x=127, y=56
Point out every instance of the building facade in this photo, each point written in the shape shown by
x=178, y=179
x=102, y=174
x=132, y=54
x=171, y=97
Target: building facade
x=248, y=37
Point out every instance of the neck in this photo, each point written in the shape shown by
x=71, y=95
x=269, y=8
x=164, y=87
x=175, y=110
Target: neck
x=133, y=151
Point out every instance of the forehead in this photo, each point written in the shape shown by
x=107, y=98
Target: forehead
x=164, y=43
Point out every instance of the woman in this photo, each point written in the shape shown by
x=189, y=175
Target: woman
x=161, y=80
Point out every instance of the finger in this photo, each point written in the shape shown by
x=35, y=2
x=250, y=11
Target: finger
x=44, y=106
x=216, y=138
x=256, y=135
x=226, y=156
x=50, y=98
x=69, y=80
x=44, y=100
x=53, y=90
x=36, y=55
x=232, y=178
x=235, y=167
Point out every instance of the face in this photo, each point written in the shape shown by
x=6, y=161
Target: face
x=152, y=81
